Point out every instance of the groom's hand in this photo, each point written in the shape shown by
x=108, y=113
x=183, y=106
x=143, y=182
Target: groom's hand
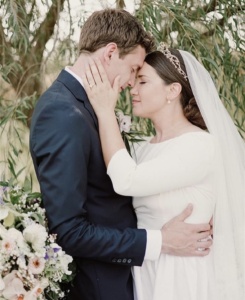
x=184, y=239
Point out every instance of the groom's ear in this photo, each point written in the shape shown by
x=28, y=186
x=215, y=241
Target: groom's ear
x=111, y=50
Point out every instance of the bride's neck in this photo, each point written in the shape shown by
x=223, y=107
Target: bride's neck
x=170, y=127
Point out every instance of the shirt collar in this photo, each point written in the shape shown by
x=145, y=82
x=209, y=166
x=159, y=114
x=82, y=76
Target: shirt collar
x=67, y=68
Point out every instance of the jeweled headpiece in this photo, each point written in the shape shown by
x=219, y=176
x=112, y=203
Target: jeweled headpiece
x=172, y=58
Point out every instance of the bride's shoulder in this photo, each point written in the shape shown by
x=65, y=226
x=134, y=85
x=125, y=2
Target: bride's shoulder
x=200, y=136
x=198, y=140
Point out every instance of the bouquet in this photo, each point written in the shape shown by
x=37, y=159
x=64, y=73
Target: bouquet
x=32, y=265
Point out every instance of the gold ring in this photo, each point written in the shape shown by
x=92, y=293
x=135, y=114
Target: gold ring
x=91, y=85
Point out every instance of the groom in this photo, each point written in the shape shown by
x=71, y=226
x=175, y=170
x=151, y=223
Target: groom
x=93, y=223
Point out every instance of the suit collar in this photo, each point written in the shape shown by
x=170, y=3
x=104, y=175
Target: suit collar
x=75, y=87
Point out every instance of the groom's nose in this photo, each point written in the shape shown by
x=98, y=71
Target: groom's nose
x=131, y=81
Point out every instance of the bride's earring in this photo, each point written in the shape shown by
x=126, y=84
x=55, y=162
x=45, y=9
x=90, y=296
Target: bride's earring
x=169, y=101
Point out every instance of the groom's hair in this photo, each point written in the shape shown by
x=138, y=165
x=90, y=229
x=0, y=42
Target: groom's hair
x=114, y=25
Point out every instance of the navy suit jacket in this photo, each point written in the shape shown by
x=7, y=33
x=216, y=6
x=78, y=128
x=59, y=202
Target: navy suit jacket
x=93, y=223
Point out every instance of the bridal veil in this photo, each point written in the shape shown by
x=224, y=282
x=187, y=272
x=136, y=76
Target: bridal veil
x=229, y=216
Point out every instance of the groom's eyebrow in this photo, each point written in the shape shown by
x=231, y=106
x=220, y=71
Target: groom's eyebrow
x=140, y=76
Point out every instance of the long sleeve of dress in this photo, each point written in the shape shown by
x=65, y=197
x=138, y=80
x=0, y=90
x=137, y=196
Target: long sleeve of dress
x=185, y=161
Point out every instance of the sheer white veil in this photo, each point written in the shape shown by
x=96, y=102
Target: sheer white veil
x=229, y=216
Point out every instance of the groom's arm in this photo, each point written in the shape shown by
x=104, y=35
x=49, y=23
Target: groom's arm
x=59, y=145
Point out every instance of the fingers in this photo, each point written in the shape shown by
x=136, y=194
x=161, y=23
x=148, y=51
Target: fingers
x=92, y=76
x=93, y=71
x=88, y=79
x=211, y=225
x=196, y=248
x=185, y=213
x=202, y=248
x=201, y=252
x=201, y=235
x=203, y=244
x=101, y=70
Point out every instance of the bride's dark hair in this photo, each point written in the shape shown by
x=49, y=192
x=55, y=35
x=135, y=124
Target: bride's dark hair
x=169, y=74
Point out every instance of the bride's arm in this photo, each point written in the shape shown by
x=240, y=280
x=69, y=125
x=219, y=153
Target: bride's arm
x=103, y=98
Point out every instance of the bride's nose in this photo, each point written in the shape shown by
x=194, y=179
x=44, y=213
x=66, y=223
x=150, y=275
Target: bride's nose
x=134, y=91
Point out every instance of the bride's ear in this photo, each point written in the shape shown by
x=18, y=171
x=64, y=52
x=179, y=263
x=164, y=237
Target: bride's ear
x=111, y=50
x=175, y=89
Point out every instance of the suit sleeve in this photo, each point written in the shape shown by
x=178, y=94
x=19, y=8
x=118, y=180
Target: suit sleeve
x=59, y=145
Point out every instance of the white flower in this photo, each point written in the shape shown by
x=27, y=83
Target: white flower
x=19, y=239
x=36, y=234
x=3, y=231
x=63, y=263
x=9, y=220
x=2, y=284
x=17, y=188
x=124, y=122
x=52, y=238
x=14, y=290
x=4, y=211
x=8, y=278
x=21, y=262
x=36, y=265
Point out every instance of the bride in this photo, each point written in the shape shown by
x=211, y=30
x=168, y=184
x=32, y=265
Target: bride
x=197, y=156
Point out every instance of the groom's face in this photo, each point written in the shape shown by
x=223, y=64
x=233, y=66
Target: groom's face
x=126, y=67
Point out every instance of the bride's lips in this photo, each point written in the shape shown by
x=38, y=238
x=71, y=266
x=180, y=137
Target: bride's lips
x=135, y=101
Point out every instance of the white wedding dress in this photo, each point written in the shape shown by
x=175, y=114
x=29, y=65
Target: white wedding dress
x=164, y=179
x=205, y=169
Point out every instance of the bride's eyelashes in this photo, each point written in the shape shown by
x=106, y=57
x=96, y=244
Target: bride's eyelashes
x=142, y=82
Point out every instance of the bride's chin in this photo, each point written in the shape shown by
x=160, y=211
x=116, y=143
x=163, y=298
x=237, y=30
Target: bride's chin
x=135, y=113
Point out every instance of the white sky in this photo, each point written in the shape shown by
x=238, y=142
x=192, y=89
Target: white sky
x=79, y=11
x=98, y=4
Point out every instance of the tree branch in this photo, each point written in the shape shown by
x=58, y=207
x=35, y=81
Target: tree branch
x=46, y=29
x=29, y=16
x=210, y=6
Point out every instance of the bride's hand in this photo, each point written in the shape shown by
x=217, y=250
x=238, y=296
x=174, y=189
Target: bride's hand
x=101, y=94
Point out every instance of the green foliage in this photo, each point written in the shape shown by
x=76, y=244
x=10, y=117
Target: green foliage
x=214, y=32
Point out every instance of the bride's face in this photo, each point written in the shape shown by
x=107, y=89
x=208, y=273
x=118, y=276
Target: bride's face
x=149, y=94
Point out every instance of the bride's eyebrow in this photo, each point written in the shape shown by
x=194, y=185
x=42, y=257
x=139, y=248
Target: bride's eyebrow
x=140, y=76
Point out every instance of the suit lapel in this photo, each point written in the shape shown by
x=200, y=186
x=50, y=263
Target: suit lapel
x=78, y=91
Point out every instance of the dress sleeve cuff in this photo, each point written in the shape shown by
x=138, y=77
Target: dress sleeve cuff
x=153, y=244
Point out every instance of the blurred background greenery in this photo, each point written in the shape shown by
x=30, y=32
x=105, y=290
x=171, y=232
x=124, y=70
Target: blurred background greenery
x=37, y=41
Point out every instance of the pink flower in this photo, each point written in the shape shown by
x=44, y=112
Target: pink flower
x=38, y=289
x=8, y=245
x=36, y=265
x=14, y=290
